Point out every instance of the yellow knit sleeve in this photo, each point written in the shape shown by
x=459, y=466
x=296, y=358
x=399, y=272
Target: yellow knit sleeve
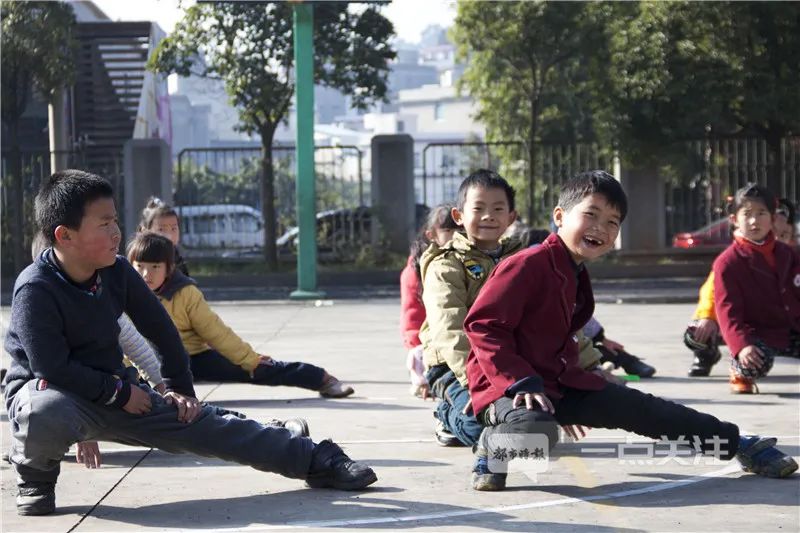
x=705, y=306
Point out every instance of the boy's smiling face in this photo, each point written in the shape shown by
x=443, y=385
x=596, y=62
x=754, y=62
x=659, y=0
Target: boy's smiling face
x=590, y=228
x=485, y=217
x=94, y=244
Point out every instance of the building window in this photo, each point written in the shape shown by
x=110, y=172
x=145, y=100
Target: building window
x=438, y=112
x=401, y=126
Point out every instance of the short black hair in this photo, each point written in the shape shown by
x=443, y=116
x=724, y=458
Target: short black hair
x=155, y=209
x=787, y=209
x=753, y=192
x=486, y=179
x=584, y=184
x=150, y=247
x=63, y=197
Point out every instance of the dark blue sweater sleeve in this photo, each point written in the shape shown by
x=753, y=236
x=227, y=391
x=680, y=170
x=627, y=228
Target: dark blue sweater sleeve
x=152, y=321
x=38, y=327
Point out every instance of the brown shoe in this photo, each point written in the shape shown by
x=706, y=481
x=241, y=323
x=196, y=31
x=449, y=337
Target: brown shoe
x=742, y=385
x=333, y=388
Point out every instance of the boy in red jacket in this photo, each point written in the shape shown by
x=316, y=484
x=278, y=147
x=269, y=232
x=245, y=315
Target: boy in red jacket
x=523, y=371
x=757, y=289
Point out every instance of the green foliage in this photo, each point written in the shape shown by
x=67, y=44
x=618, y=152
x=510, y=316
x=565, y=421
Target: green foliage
x=37, y=52
x=676, y=69
x=249, y=45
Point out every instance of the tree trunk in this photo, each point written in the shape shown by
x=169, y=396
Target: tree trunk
x=774, y=137
x=268, y=201
x=534, y=127
x=16, y=202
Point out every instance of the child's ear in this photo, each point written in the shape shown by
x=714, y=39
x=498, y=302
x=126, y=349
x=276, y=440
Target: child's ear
x=428, y=234
x=558, y=216
x=457, y=218
x=61, y=234
x=732, y=220
x=512, y=217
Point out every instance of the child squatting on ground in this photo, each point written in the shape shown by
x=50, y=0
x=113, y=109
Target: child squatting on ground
x=703, y=335
x=438, y=229
x=452, y=275
x=756, y=291
x=67, y=383
x=524, y=377
x=216, y=353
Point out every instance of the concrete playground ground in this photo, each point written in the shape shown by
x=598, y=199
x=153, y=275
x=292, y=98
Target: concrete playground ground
x=421, y=486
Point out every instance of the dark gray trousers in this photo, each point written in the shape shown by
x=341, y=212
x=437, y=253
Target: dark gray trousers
x=45, y=423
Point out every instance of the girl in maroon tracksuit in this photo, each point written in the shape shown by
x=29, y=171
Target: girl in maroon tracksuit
x=757, y=291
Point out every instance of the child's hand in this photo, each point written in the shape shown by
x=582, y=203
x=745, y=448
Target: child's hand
x=751, y=357
x=425, y=391
x=608, y=376
x=188, y=407
x=705, y=330
x=88, y=453
x=612, y=346
x=576, y=432
x=138, y=403
x=265, y=360
x=528, y=398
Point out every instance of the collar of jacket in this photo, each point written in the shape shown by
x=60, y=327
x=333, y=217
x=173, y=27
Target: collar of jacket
x=564, y=267
x=176, y=282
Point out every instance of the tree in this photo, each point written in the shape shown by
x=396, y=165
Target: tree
x=524, y=68
x=249, y=46
x=674, y=69
x=37, y=53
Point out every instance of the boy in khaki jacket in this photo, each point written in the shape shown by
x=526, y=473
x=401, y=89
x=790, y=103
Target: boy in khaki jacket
x=452, y=275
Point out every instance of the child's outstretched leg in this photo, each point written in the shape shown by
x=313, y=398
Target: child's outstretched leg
x=657, y=418
x=47, y=421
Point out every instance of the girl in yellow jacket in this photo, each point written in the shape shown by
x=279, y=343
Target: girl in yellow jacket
x=216, y=352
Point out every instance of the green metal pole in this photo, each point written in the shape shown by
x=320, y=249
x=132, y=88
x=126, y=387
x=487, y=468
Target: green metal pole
x=306, y=195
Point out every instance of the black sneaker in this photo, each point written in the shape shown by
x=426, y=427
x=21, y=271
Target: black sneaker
x=629, y=362
x=634, y=365
x=298, y=427
x=36, y=498
x=760, y=456
x=332, y=468
x=703, y=361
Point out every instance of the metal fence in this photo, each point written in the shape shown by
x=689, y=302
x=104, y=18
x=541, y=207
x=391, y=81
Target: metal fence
x=17, y=224
x=445, y=165
x=721, y=166
x=219, y=197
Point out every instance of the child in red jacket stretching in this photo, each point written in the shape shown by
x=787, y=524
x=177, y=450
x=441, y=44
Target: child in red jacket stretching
x=438, y=230
x=523, y=371
x=757, y=291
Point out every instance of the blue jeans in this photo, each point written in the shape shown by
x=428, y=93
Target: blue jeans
x=466, y=428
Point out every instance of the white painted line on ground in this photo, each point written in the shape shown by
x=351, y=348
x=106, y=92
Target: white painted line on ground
x=407, y=441
x=656, y=487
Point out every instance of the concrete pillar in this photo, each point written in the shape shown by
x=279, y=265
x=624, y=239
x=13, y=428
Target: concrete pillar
x=393, y=203
x=147, y=168
x=58, y=131
x=645, y=226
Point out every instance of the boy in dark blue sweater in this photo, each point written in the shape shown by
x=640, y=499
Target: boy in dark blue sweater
x=67, y=384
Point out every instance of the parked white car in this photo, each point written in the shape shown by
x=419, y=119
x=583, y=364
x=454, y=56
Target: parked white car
x=221, y=226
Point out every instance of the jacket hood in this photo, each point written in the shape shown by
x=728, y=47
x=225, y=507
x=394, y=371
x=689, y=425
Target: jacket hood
x=462, y=245
x=174, y=283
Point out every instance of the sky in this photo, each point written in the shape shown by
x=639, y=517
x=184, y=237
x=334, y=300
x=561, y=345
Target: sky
x=409, y=17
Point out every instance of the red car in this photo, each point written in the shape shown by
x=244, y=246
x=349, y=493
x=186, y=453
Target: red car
x=716, y=234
